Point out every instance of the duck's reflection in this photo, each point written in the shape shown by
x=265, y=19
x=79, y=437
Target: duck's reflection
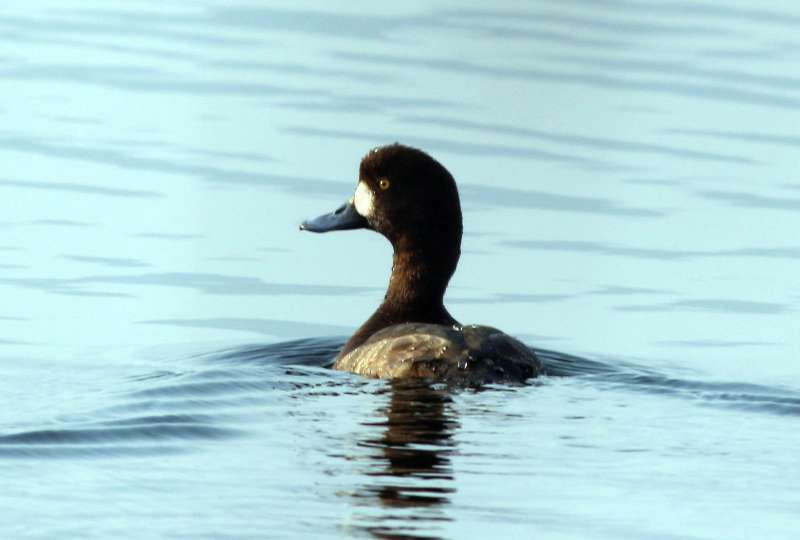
x=410, y=465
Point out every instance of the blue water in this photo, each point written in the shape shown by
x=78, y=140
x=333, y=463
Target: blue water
x=631, y=199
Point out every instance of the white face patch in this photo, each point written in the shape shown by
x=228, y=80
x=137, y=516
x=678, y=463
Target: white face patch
x=362, y=200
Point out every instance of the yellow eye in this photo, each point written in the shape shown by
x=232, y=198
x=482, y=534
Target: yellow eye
x=384, y=184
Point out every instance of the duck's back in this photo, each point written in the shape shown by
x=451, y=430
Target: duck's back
x=470, y=354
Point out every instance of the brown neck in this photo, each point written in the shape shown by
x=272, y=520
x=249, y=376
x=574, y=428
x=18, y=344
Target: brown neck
x=419, y=278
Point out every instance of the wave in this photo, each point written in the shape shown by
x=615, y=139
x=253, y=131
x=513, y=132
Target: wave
x=215, y=395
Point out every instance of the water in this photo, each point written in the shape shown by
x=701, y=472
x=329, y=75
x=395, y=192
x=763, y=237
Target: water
x=630, y=189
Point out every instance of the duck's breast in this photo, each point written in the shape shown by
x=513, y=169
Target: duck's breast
x=472, y=354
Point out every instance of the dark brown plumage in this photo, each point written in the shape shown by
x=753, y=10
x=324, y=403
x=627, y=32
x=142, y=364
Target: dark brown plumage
x=420, y=214
x=412, y=200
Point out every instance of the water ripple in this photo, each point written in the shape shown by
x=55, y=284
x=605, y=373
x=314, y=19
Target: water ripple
x=219, y=395
x=109, y=435
x=696, y=90
x=576, y=140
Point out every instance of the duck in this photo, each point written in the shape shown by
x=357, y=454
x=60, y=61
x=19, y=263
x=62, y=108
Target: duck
x=412, y=200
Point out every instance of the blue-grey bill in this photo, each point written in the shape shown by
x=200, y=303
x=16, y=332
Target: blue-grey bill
x=343, y=218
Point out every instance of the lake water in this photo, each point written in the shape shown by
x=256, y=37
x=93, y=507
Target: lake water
x=631, y=192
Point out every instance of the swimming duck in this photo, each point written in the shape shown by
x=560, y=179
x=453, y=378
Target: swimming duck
x=411, y=199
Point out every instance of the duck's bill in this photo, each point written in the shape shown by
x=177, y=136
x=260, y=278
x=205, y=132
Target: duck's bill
x=342, y=219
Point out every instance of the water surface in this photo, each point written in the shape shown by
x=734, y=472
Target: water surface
x=630, y=188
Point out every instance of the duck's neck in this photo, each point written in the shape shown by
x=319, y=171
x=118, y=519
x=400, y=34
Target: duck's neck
x=419, y=278
x=418, y=283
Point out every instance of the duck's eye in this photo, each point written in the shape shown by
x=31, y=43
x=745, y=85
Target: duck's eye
x=384, y=184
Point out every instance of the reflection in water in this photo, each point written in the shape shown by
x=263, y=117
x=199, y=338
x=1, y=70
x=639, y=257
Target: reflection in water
x=411, y=477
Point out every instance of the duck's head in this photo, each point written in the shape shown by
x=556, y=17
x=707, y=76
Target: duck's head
x=404, y=194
